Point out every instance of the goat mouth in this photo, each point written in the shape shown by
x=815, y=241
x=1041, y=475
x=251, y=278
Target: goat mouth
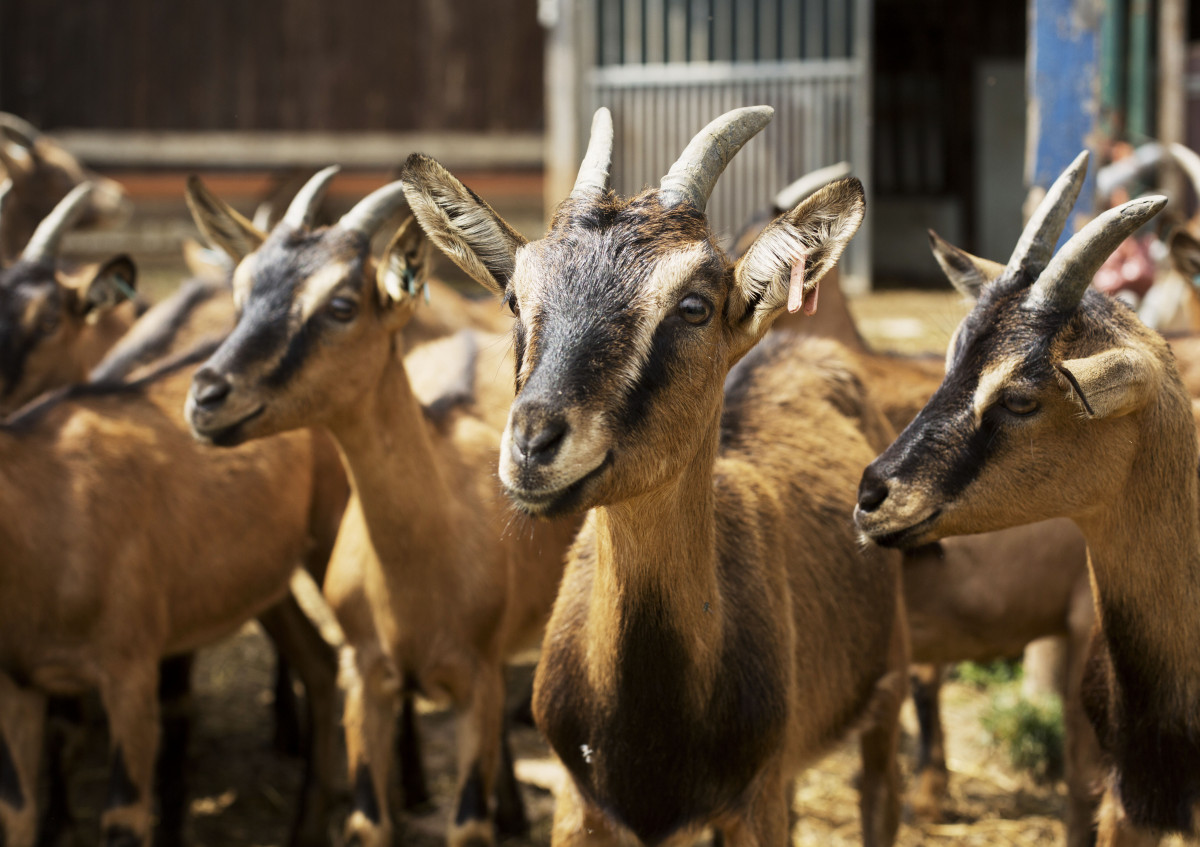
x=560, y=501
x=906, y=537
x=229, y=435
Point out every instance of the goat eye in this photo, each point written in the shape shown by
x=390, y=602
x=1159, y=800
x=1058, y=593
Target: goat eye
x=48, y=323
x=695, y=309
x=1019, y=404
x=512, y=306
x=342, y=308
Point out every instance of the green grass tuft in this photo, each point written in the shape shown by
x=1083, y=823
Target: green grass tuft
x=1029, y=731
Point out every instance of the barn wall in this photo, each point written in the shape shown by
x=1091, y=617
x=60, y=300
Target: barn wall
x=284, y=65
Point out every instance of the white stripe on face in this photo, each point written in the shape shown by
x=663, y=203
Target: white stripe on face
x=991, y=382
x=317, y=289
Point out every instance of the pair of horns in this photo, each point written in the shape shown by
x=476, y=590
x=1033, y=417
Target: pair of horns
x=1063, y=277
x=692, y=178
x=367, y=215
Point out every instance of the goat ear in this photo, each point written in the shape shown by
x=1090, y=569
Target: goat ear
x=967, y=273
x=400, y=276
x=1113, y=383
x=466, y=229
x=111, y=284
x=1184, y=252
x=805, y=242
x=220, y=223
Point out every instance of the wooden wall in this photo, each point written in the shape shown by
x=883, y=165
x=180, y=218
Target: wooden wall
x=290, y=65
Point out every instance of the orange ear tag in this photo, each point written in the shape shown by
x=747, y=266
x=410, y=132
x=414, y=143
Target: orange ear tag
x=797, y=299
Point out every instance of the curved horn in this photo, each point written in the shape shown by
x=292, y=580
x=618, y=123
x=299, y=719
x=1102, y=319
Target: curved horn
x=1187, y=159
x=1045, y=225
x=593, y=172
x=371, y=211
x=21, y=129
x=304, y=205
x=693, y=176
x=1062, y=285
x=790, y=197
x=49, y=233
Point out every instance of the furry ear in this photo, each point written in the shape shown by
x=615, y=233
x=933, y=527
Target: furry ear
x=1113, y=383
x=111, y=284
x=1184, y=252
x=793, y=253
x=967, y=273
x=220, y=223
x=466, y=229
x=400, y=276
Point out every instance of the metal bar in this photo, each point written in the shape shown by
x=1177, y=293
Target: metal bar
x=711, y=72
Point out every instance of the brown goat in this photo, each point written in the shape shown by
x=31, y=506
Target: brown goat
x=718, y=625
x=56, y=321
x=977, y=597
x=431, y=585
x=39, y=173
x=167, y=545
x=1057, y=401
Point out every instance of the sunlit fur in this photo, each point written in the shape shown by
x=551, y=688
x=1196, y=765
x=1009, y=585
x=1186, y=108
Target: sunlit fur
x=126, y=541
x=434, y=580
x=1110, y=443
x=718, y=625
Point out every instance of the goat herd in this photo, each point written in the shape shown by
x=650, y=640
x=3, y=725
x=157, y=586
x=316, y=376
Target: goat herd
x=681, y=515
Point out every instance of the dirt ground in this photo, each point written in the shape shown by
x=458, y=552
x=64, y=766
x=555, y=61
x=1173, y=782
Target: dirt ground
x=242, y=792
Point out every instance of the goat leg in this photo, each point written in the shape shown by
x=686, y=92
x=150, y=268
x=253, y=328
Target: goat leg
x=315, y=662
x=372, y=704
x=479, y=741
x=511, y=819
x=22, y=720
x=932, y=775
x=129, y=694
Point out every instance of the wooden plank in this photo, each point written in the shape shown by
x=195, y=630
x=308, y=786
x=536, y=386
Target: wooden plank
x=304, y=149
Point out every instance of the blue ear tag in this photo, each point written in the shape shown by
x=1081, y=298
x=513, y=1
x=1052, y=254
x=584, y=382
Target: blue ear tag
x=125, y=288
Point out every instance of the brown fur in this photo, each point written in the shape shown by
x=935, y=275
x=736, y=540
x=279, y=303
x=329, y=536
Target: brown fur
x=433, y=579
x=42, y=173
x=1110, y=443
x=978, y=597
x=712, y=567
x=128, y=542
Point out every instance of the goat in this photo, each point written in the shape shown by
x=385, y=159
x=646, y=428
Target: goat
x=717, y=625
x=1059, y=402
x=40, y=172
x=57, y=322
x=970, y=598
x=431, y=590
x=125, y=542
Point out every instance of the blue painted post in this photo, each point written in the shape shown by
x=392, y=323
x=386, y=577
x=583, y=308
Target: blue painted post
x=1064, y=91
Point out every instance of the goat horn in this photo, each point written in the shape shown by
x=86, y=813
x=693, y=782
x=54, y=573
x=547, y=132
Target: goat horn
x=19, y=128
x=693, y=176
x=1062, y=285
x=790, y=197
x=49, y=233
x=304, y=205
x=1187, y=159
x=370, y=212
x=593, y=172
x=1040, y=236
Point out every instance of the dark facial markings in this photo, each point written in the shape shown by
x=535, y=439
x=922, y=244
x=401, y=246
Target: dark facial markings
x=20, y=285
x=595, y=269
x=270, y=326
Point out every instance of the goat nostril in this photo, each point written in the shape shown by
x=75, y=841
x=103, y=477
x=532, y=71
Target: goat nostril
x=872, y=491
x=210, y=388
x=540, y=442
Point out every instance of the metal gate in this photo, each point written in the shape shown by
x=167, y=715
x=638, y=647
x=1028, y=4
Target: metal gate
x=667, y=67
